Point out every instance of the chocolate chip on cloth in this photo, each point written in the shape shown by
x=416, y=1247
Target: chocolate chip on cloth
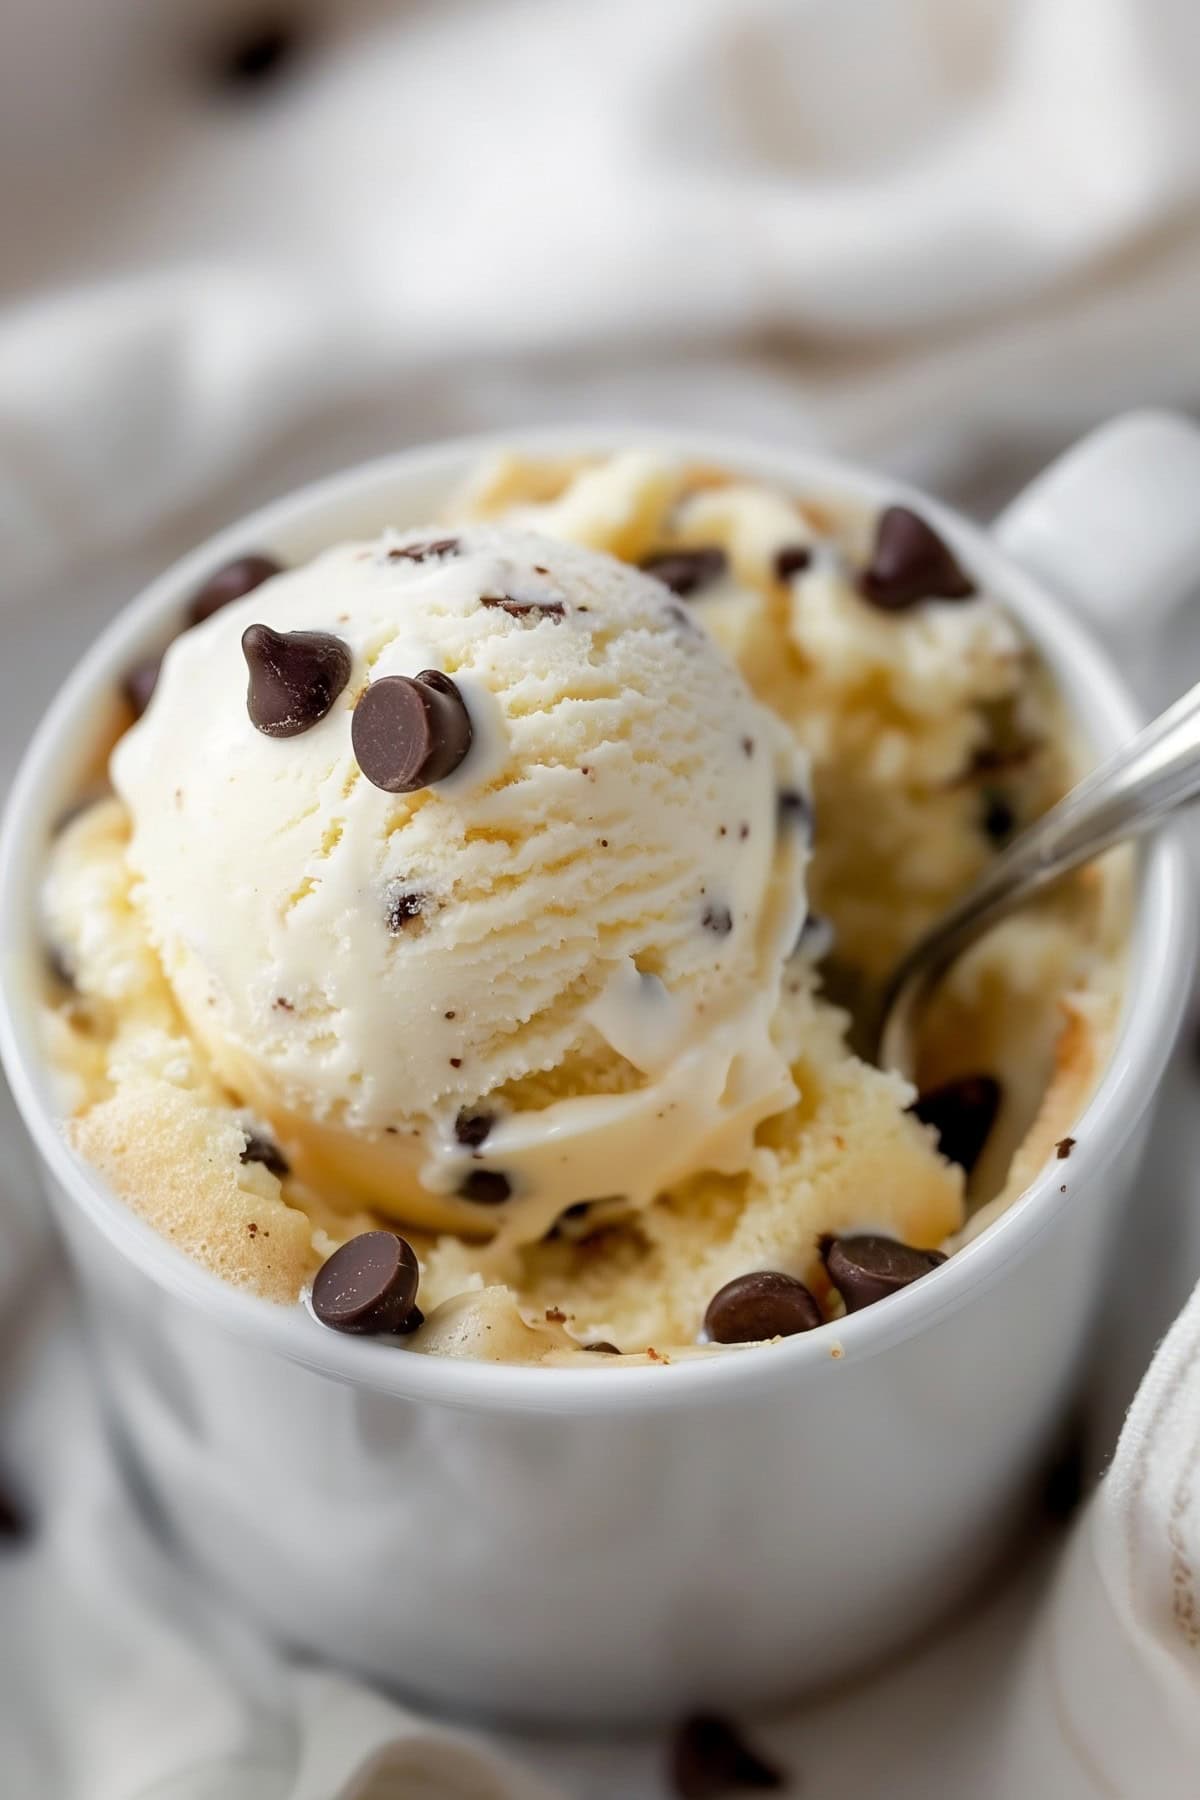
x=14, y=1526
x=229, y=583
x=368, y=1285
x=263, y=50
x=409, y=732
x=295, y=677
x=910, y=563
x=687, y=572
x=766, y=1304
x=867, y=1268
x=709, y=1758
x=962, y=1113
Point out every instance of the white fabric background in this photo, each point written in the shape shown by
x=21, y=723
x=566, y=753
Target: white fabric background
x=942, y=234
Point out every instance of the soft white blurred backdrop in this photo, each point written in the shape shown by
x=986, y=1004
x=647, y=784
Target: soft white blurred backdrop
x=244, y=243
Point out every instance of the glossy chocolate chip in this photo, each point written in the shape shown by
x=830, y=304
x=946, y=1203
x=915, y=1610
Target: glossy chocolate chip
x=472, y=1128
x=409, y=732
x=368, y=1285
x=431, y=550
x=962, y=1113
x=710, y=1758
x=487, y=1187
x=866, y=1268
x=262, y=1149
x=687, y=572
x=295, y=677
x=791, y=560
x=910, y=563
x=140, y=682
x=602, y=1347
x=766, y=1304
x=229, y=583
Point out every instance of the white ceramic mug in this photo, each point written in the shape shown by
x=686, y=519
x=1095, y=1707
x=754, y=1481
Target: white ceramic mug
x=604, y=1543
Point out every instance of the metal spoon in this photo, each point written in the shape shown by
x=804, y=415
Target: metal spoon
x=1130, y=793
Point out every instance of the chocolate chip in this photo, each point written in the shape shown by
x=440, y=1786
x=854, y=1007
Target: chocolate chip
x=794, y=810
x=259, y=54
x=295, y=677
x=1065, y=1479
x=368, y=1285
x=433, y=548
x=487, y=1187
x=403, y=907
x=766, y=1304
x=140, y=682
x=13, y=1523
x=909, y=563
x=408, y=733
x=229, y=583
x=866, y=1268
x=523, y=609
x=999, y=821
x=414, y=1322
x=709, y=1757
x=260, y=1149
x=602, y=1347
x=962, y=1113
x=718, y=920
x=685, y=572
x=1064, y=1147
x=791, y=560
x=471, y=1128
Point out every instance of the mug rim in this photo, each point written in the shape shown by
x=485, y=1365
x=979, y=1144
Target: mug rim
x=1159, y=944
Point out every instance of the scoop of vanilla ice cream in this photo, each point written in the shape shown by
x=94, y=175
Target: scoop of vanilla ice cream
x=552, y=976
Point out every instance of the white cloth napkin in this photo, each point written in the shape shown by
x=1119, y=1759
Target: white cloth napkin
x=943, y=234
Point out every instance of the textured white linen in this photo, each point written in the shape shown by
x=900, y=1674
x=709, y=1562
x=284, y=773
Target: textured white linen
x=943, y=234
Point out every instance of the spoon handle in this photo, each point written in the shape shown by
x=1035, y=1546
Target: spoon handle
x=1136, y=788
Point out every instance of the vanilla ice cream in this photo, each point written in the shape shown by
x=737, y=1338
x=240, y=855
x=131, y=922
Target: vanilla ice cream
x=463, y=883
x=547, y=975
